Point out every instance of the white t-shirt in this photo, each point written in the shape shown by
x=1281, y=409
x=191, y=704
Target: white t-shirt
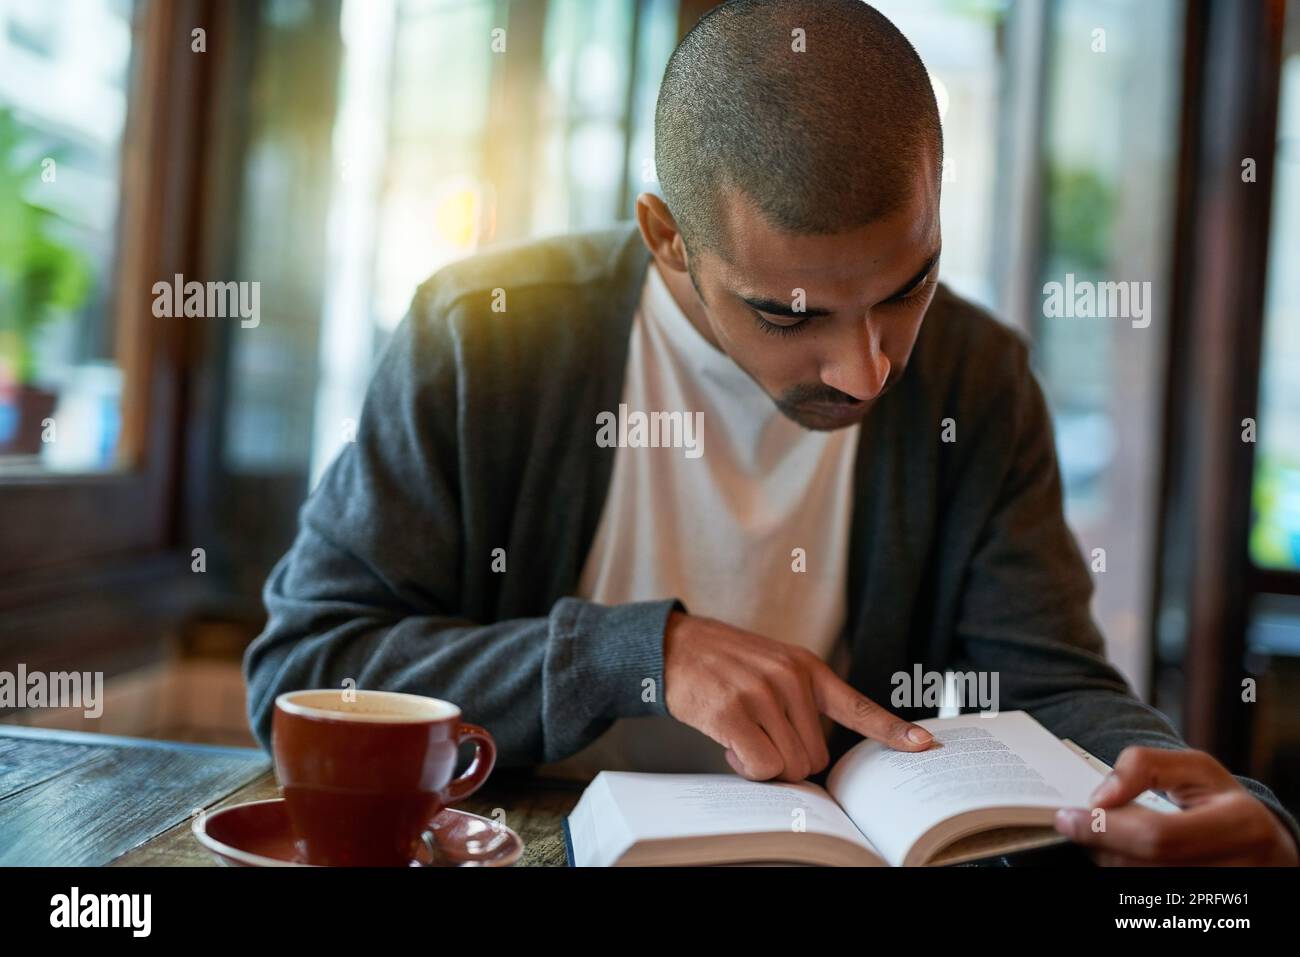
x=717, y=528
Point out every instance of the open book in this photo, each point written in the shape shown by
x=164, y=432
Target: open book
x=989, y=785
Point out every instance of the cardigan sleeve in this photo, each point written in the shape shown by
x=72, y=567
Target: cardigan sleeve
x=371, y=589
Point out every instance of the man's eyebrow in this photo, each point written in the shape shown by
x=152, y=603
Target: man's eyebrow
x=916, y=280
x=775, y=307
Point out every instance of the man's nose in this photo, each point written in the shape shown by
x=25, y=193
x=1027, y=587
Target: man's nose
x=859, y=367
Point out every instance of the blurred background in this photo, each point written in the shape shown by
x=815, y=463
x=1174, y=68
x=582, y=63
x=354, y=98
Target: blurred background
x=339, y=151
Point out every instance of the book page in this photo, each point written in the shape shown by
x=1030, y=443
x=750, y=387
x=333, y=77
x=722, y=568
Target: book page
x=1006, y=760
x=621, y=808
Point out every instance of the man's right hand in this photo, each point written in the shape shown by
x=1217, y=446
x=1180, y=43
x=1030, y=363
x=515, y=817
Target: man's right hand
x=761, y=699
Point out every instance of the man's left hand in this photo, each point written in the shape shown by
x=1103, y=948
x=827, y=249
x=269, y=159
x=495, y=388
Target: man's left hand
x=1221, y=822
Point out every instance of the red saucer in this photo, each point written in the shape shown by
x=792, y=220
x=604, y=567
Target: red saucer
x=257, y=834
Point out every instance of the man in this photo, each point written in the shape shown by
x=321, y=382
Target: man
x=672, y=511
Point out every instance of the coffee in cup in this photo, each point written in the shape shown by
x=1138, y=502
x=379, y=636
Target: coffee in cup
x=365, y=772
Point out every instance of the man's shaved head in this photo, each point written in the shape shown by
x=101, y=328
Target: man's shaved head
x=819, y=141
x=799, y=226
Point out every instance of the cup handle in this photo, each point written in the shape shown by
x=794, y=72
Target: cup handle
x=485, y=758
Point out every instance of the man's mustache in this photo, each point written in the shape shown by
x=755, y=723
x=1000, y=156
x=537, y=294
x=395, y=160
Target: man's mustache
x=817, y=395
x=822, y=394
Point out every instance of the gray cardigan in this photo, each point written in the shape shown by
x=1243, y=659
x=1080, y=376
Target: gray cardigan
x=478, y=433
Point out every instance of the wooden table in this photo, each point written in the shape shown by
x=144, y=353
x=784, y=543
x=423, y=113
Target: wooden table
x=76, y=799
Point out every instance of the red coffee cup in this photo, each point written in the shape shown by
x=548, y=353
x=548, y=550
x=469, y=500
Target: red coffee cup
x=365, y=772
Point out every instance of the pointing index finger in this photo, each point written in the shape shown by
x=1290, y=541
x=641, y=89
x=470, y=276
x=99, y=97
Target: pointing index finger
x=839, y=702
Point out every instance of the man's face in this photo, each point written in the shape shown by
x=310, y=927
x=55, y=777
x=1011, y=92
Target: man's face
x=865, y=293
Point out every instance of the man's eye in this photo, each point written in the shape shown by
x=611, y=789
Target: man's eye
x=776, y=328
x=918, y=292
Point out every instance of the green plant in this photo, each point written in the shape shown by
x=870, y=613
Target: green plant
x=1081, y=213
x=40, y=277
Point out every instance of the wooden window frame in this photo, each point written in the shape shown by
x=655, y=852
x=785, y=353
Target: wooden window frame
x=90, y=565
x=1203, y=574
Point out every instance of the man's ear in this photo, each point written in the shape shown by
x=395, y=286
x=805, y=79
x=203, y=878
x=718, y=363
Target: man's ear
x=659, y=232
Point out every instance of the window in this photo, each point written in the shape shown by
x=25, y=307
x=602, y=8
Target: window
x=454, y=124
x=381, y=140
x=105, y=91
x=1273, y=632
x=64, y=71
x=963, y=46
x=1109, y=173
x=1275, y=531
